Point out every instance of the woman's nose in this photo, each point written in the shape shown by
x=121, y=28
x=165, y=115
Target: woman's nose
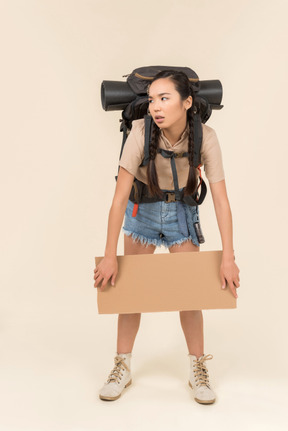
x=155, y=106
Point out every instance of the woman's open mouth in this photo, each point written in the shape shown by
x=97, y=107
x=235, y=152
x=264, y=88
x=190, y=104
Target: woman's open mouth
x=159, y=119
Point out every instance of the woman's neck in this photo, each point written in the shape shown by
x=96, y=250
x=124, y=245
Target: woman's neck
x=174, y=133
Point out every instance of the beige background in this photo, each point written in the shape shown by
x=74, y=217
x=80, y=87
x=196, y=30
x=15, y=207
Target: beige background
x=59, y=154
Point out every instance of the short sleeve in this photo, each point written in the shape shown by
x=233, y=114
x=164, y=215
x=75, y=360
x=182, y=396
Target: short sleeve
x=211, y=157
x=133, y=151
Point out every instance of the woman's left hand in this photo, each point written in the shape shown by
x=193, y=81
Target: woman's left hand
x=229, y=271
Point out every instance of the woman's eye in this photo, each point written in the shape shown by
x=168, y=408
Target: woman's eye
x=164, y=97
x=149, y=101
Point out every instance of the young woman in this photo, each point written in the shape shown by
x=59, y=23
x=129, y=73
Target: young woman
x=171, y=105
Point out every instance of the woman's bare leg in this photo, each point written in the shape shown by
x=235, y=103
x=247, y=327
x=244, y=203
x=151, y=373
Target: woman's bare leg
x=191, y=320
x=128, y=324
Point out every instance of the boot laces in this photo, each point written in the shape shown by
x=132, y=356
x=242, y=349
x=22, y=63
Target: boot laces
x=116, y=373
x=201, y=372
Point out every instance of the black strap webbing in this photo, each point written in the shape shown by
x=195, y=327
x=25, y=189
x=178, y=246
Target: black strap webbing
x=198, y=136
x=148, y=124
x=171, y=155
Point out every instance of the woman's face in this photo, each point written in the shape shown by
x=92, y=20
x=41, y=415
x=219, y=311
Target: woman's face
x=165, y=104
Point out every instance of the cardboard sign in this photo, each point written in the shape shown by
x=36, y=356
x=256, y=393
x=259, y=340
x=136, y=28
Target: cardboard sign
x=166, y=282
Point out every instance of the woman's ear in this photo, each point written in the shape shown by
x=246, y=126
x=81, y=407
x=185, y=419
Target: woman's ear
x=188, y=102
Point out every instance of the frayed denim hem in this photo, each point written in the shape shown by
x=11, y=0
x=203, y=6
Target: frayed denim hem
x=141, y=238
x=157, y=242
x=181, y=241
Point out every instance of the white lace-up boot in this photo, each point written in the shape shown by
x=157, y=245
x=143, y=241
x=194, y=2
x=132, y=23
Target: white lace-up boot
x=199, y=380
x=118, y=379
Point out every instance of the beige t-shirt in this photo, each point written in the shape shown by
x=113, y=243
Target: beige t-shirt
x=133, y=154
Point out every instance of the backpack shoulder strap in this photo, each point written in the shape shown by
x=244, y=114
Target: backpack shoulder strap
x=198, y=137
x=124, y=129
x=147, y=134
x=148, y=127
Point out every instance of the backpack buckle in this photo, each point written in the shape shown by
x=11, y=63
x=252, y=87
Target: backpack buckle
x=170, y=197
x=177, y=155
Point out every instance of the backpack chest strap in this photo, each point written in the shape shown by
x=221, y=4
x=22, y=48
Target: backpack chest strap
x=171, y=155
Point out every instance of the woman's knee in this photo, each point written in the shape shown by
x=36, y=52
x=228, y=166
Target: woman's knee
x=129, y=315
x=190, y=312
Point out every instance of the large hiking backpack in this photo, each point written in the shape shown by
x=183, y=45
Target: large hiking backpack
x=131, y=96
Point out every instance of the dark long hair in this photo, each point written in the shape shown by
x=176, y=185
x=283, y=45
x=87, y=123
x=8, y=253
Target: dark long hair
x=182, y=85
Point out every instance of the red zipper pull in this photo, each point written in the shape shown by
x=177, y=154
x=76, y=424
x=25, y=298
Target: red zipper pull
x=135, y=209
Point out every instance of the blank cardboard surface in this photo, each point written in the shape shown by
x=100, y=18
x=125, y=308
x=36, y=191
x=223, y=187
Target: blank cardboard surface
x=166, y=282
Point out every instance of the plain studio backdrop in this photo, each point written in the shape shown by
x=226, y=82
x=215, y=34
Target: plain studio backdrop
x=59, y=157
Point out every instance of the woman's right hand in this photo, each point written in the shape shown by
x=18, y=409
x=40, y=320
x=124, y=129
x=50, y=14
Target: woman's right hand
x=108, y=267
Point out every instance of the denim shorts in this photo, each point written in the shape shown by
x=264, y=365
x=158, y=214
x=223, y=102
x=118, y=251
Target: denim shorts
x=157, y=223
